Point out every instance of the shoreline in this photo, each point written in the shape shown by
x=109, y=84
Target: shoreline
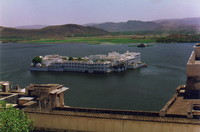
x=122, y=39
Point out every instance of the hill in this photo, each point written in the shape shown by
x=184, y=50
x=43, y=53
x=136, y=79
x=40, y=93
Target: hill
x=180, y=24
x=53, y=31
x=183, y=21
x=167, y=25
x=127, y=26
x=31, y=26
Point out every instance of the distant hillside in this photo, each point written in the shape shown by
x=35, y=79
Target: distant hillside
x=186, y=24
x=53, y=31
x=127, y=26
x=31, y=26
x=183, y=21
x=180, y=24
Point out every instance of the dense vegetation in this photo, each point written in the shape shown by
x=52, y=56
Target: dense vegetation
x=13, y=120
x=36, y=60
x=115, y=39
x=98, y=40
x=14, y=39
x=71, y=58
x=179, y=38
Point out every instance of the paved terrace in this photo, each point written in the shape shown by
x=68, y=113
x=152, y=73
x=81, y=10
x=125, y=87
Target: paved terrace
x=180, y=106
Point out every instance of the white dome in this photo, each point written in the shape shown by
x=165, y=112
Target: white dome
x=38, y=65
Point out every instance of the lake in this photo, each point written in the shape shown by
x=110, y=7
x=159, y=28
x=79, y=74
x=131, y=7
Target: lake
x=141, y=89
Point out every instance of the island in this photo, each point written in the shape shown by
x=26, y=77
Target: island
x=90, y=64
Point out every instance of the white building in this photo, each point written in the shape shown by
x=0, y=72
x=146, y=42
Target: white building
x=91, y=64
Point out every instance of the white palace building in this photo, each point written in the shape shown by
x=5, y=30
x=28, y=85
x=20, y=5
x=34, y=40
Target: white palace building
x=89, y=64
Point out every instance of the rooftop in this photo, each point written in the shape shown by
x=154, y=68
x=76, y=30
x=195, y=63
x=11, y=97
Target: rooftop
x=47, y=88
x=44, y=86
x=181, y=106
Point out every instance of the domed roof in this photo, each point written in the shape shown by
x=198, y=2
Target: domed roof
x=38, y=64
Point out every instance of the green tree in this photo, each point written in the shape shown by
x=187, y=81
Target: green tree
x=13, y=120
x=64, y=58
x=79, y=58
x=37, y=59
x=71, y=58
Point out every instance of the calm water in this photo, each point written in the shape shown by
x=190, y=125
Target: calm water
x=141, y=89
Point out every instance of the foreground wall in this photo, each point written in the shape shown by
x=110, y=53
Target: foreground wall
x=97, y=122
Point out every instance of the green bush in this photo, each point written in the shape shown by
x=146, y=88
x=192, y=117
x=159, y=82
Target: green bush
x=71, y=58
x=37, y=59
x=80, y=59
x=13, y=120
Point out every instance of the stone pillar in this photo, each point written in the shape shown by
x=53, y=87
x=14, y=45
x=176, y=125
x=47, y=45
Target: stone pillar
x=6, y=87
x=62, y=99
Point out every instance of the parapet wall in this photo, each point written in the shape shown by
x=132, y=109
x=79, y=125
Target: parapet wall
x=107, y=122
x=193, y=68
x=9, y=97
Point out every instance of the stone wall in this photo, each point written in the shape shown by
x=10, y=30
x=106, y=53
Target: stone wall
x=98, y=122
x=193, y=70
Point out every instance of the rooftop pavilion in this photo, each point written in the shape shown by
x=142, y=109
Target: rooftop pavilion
x=5, y=86
x=48, y=95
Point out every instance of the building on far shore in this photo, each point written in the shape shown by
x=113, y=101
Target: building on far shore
x=91, y=64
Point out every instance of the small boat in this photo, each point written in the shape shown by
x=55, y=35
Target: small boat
x=198, y=44
x=142, y=45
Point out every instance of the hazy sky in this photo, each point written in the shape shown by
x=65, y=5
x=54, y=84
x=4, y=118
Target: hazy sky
x=51, y=12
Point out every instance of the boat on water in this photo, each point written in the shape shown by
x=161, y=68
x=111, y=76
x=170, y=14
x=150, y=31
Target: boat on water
x=142, y=45
x=113, y=62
